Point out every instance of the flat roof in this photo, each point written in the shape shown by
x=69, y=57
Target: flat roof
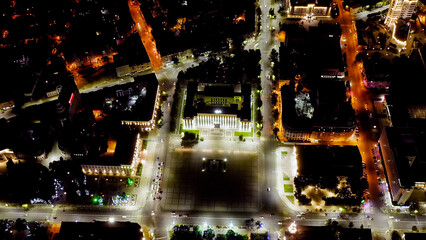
x=120, y=152
x=331, y=110
x=190, y=109
x=132, y=101
x=407, y=145
x=326, y=160
x=100, y=230
x=326, y=232
x=310, y=51
x=414, y=236
x=306, y=2
x=130, y=51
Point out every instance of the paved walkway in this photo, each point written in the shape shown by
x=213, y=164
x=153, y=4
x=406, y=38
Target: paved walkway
x=363, y=14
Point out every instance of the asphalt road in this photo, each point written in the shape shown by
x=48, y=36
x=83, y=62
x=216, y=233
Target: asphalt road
x=272, y=212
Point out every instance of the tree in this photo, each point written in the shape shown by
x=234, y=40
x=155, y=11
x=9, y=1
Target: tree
x=241, y=137
x=414, y=207
x=414, y=228
x=209, y=234
x=10, y=165
x=175, y=60
x=351, y=224
x=395, y=235
x=250, y=223
x=276, y=130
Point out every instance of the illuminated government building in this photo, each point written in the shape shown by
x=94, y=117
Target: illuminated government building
x=218, y=106
x=308, y=8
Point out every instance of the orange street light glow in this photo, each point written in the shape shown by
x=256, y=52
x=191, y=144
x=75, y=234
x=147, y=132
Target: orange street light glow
x=144, y=31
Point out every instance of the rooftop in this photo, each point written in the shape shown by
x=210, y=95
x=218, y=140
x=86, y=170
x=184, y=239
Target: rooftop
x=314, y=233
x=414, y=236
x=243, y=110
x=325, y=3
x=321, y=106
x=132, y=101
x=407, y=145
x=323, y=160
x=100, y=230
x=119, y=150
x=315, y=52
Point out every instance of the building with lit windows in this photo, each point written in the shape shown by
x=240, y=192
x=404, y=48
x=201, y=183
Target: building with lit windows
x=135, y=104
x=403, y=155
x=6, y=154
x=320, y=113
x=308, y=9
x=121, y=158
x=218, y=106
x=397, y=20
x=400, y=9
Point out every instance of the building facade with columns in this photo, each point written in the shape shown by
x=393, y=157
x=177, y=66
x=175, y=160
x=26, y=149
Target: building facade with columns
x=308, y=8
x=218, y=106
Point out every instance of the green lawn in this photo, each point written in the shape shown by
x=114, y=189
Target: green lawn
x=139, y=172
x=192, y=131
x=285, y=177
x=245, y=134
x=291, y=198
x=283, y=154
x=144, y=144
x=288, y=188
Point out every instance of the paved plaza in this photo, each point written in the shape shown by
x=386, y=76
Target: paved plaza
x=187, y=188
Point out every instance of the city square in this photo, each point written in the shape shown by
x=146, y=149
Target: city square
x=187, y=187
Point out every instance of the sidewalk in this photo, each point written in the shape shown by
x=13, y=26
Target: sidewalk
x=364, y=14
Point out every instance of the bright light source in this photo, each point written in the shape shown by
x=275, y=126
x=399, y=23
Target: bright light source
x=111, y=219
x=218, y=111
x=152, y=213
x=205, y=224
x=231, y=225
x=292, y=228
x=225, y=159
x=204, y=159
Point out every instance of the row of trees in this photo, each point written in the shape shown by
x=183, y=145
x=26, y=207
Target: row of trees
x=25, y=181
x=185, y=232
x=351, y=195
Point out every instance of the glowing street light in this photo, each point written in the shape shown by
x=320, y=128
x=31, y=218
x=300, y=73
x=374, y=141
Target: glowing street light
x=292, y=228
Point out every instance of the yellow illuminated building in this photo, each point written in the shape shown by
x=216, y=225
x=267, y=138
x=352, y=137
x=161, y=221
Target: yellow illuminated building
x=400, y=9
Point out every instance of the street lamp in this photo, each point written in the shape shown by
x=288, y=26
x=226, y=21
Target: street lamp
x=292, y=228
